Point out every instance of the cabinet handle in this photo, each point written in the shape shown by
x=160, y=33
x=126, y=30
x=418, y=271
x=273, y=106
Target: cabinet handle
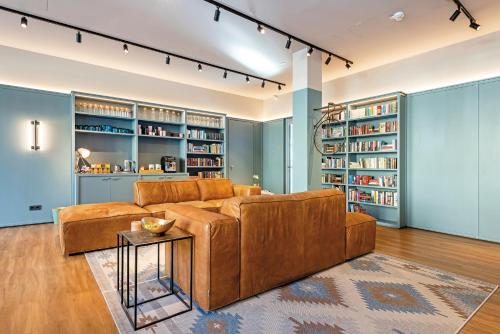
x=116, y=179
x=106, y=179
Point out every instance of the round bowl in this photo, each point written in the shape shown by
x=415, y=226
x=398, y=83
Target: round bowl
x=157, y=226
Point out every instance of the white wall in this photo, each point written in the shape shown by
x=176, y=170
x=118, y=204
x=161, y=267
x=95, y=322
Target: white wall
x=33, y=70
x=468, y=61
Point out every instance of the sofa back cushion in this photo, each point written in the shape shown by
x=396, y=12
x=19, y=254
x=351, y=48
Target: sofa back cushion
x=286, y=237
x=158, y=192
x=215, y=189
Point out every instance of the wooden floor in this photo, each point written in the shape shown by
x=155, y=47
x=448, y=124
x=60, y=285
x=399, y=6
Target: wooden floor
x=42, y=292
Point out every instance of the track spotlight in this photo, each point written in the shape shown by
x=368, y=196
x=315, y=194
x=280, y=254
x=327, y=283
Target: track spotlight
x=217, y=14
x=167, y=60
x=78, y=37
x=310, y=51
x=225, y=75
x=279, y=87
x=347, y=65
x=474, y=25
x=200, y=68
x=263, y=84
x=288, y=43
x=247, y=79
x=125, y=48
x=24, y=22
x=328, y=60
x=455, y=15
x=261, y=29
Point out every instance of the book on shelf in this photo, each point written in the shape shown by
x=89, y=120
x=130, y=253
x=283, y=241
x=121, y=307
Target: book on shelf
x=353, y=207
x=330, y=162
x=373, y=128
x=205, y=162
x=210, y=175
x=206, y=148
x=329, y=132
x=387, y=181
x=375, y=110
x=375, y=163
x=333, y=178
x=204, y=134
x=387, y=198
x=333, y=148
x=373, y=146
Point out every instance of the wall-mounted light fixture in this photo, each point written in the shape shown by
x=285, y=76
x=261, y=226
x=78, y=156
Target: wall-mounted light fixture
x=36, y=142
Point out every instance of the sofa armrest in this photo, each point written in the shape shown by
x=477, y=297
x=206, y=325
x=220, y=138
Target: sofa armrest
x=216, y=255
x=244, y=190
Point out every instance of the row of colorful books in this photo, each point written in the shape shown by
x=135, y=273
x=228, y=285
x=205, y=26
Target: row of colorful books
x=375, y=163
x=206, y=148
x=334, y=148
x=210, y=175
x=375, y=110
x=329, y=162
x=328, y=132
x=389, y=198
x=333, y=178
x=203, y=134
x=366, y=129
x=373, y=146
x=389, y=181
x=205, y=162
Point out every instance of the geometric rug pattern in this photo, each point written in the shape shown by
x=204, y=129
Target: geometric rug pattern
x=372, y=294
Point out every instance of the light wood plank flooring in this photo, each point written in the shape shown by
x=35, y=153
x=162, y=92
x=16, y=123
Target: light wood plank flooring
x=42, y=292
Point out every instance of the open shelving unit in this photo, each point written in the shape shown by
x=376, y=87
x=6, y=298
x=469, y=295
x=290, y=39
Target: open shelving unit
x=116, y=129
x=373, y=135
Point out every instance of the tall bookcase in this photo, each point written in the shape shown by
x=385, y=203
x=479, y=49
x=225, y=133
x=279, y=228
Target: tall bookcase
x=363, y=156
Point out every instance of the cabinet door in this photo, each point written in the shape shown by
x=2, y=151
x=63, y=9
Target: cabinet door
x=94, y=189
x=273, y=159
x=489, y=160
x=121, y=189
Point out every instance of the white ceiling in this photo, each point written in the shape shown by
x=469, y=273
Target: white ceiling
x=359, y=30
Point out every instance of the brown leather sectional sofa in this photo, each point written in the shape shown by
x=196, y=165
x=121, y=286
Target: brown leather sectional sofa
x=244, y=243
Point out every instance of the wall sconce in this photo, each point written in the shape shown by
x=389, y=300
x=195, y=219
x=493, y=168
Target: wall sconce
x=36, y=143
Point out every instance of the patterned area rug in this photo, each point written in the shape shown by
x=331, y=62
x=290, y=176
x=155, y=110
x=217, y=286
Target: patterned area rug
x=372, y=294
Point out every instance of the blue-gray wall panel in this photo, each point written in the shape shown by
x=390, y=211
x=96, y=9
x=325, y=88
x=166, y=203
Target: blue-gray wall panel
x=442, y=172
x=28, y=177
x=274, y=156
x=241, y=150
x=489, y=160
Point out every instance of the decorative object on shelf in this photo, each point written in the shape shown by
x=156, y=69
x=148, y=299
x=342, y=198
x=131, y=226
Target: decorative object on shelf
x=256, y=180
x=129, y=166
x=157, y=226
x=151, y=171
x=36, y=140
x=100, y=168
x=151, y=130
x=103, y=128
x=99, y=108
x=135, y=226
x=82, y=165
x=204, y=120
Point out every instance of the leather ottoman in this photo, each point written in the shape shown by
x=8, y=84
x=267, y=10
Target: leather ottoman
x=360, y=230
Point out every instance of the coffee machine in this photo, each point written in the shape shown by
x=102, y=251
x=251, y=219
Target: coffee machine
x=169, y=164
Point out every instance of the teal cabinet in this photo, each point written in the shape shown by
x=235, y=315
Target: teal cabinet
x=177, y=176
x=442, y=166
x=273, y=156
x=122, y=188
x=93, y=189
x=489, y=160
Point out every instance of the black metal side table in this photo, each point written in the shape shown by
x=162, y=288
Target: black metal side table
x=140, y=239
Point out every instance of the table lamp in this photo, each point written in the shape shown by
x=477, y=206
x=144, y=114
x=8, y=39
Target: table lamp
x=82, y=165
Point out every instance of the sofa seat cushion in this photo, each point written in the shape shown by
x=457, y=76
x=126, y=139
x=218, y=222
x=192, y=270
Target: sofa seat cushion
x=215, y=189
x=94, y=226
x=216, y=202
x=360, y=232
x=202, y=205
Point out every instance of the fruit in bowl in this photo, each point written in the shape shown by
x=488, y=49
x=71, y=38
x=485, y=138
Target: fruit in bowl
x=157, y=226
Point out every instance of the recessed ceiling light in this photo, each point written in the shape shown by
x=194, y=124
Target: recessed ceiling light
x=398, y=16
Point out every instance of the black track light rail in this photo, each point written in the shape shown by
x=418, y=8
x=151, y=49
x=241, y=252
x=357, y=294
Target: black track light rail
x=464, y=10
x=277, y=30
x=142, y=46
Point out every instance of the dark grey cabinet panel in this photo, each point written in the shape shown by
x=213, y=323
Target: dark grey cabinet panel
x=442, y=144
x=489, y=160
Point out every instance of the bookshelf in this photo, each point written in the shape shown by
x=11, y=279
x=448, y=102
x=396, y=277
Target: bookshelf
x=368, y=136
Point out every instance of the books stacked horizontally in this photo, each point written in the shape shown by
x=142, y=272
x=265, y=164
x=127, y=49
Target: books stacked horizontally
x=356, y=208
x=333, y=148
x=366, y=129
x=373, y=146
x=329, y=163
x=205, y=162
x=389, y=181
x=203, y=134
x=205, y=148
x=388, y=198
x=376, y=110
x=375, y=163
x=329, y=132
x=333, y=178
